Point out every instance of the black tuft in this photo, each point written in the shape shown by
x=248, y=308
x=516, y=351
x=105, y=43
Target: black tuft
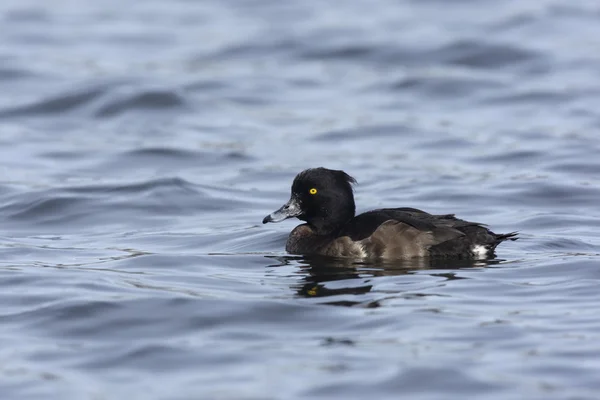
x=348, y=180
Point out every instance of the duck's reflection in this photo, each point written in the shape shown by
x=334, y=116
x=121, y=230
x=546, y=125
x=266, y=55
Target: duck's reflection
x=349, y=277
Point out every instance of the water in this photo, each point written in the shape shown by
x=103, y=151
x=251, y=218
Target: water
x=142, y=143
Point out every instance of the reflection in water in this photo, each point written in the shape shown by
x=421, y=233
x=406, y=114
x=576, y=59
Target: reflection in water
x=356, y=276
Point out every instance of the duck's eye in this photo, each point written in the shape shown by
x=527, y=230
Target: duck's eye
x=312, y=191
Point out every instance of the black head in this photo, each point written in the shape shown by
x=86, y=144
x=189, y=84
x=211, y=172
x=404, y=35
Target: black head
x=320, y=196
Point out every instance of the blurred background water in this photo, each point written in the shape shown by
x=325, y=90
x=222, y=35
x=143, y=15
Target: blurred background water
x=142, y=143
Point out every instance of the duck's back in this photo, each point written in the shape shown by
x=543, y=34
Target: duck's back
x=394, y=233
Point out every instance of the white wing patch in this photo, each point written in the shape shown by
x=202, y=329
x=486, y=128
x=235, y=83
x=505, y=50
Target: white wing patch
x=479, y=251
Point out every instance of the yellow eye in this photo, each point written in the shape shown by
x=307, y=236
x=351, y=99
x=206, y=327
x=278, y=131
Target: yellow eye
x=312, y=191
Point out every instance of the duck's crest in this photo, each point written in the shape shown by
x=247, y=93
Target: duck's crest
x=324, y=172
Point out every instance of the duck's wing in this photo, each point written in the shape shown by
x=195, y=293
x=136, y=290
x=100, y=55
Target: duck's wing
x=396, y=239
x=475, y=239
x=364, y=225
x=409, y=232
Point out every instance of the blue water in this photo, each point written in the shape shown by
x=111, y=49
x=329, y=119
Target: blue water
x=142, y=143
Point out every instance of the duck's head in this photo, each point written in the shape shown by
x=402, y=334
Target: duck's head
x=322, y=197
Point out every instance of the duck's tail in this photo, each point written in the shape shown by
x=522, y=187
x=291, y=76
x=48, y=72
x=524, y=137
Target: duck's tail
x=501, y=237
x=488, y=250
x=506, y=236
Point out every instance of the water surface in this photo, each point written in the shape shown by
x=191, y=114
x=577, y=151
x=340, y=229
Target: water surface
x=142, y=143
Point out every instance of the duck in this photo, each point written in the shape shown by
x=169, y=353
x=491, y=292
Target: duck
x=324, y=199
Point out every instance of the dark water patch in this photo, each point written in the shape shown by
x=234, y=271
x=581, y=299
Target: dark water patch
x=341, y=50
x=12, y=74
x=155, y=153
x=515, y=156
x=456, y=143
x=564, y=272
x=415, y=381
x=514, y=22
x=154, y=357
x=58, y=104
x=250, y=100
x=38, y=209
x=149, y=100
x=204, y=86
x=365, y=133
x=547, y=96
x=587, y=168
x=6, y=189
x=102, y=322
x=540, y=195
x=65, y=155
x=79, y=207
x=442, y=86
x=486, y=55
x=568, y=219
x=178, y=155
x=578, y=14
x=26, y=15
x=162, y=184
x=475, y=54
x=282, y=46
x=348, y=52
x=555, y=195
x=170, y=157
x=558, y=243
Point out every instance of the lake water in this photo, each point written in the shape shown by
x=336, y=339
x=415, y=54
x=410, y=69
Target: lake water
x=143, y=142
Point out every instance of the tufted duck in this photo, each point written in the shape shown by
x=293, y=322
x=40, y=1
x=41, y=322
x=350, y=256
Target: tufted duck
x=324, y=199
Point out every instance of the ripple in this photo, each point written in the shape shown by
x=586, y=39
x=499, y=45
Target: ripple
x=475, y=54
x=545, y=96
x=514, y=157
x=146, y=202
x=154, y=153
x=56, y=104
x=549, y=194
x=44, y=208
x=342, y=52
x=481, y=54
x=588, y=167
x=365, y=133
x=416, y=381
x=169, y=158
x=166, y=184
x=12, y=74
x=446, y=85
x=149, y=100
x=562, y=244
